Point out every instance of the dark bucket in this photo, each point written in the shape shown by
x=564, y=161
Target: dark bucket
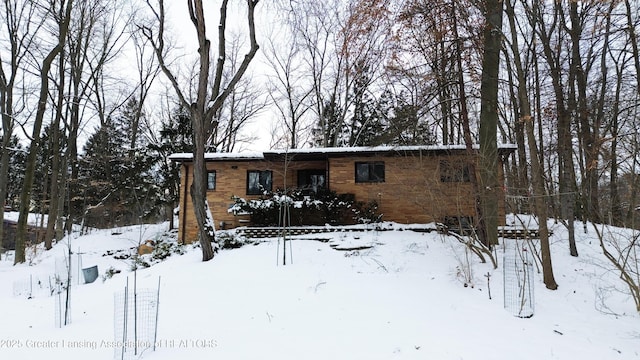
x=90, y=274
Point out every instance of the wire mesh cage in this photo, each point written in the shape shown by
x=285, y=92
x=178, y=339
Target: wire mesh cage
x=62, y=304
x=69, y=268
x=518, y=281
x=135, y=321
x=34, y=286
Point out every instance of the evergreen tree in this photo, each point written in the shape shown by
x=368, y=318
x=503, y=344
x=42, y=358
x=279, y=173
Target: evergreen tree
x=175, y=137
x=17, y=157
x=116, y=173
x=367, y=122
x=329, y=128
x=405, y=126
x=389, y=120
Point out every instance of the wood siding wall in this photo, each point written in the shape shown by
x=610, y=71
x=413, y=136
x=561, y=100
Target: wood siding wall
x=411, y=193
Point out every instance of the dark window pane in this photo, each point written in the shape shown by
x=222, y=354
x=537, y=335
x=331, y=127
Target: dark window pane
x=378, y=172
x=253, y=182
x=311, y=181
x=211, y=180
x=454, y=171
x=265, y=180
x=369, y=172
x=362, y=172
x=258, y=182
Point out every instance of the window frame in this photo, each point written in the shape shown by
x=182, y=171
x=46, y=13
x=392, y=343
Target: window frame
x=262, y=181
x=371, y=172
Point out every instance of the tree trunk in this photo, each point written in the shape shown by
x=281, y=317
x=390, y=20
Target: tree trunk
x=588, y=132
x=4, y=180
x=17, y=43
x=489, y=184
x=62, y=196
x=25, y=195
x=206, y=106
x=479, y=221
x=55, y=162
x=206, y=227
x=540, y=206
x=633, y=38
x=566, y=172
x=615, y=207
x=635, y=50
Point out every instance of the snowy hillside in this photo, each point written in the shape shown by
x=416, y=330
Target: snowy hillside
x=403, y=298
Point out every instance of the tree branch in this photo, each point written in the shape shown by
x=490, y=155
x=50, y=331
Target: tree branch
x=216, y=103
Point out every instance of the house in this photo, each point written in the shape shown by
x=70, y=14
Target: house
x=8, y=242
x=411, y=184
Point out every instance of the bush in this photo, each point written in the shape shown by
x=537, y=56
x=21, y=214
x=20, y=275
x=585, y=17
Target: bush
x=230, y=240
x=323, y=208
x=163, y=249
x=108, y=274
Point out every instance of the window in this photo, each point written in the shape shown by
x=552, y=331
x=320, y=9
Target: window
x=211, y=180
x=258, y=182
x=368, y=172
x=311, y=181
x=454, y=171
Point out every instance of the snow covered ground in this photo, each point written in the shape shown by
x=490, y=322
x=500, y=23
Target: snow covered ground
x=401, y=299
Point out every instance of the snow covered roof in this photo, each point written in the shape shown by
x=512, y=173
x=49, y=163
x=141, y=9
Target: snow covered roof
x=179, y=157
x=338, y=151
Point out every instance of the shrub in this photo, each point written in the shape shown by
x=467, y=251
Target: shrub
x=230, y=240
x=323, y=208
x=108, y=274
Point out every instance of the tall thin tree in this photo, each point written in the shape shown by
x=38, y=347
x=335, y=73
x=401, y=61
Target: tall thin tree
x=489, y=185
x=537, y=171
x=208, y=100
x=63, y=17
x=20, y=27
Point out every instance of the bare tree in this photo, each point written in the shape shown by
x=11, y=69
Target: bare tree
x=315, y=24
x=549, y=31
x=288, y=90
x=208, y=100
x=436, y=44
x=244, y=103
x=20, y=26
x=95, y=36
x=62, y=16
x=147, y=70
x=620, y=250
x=537, y=171
x=489, y=185
x=339, y=42
x=56, y=204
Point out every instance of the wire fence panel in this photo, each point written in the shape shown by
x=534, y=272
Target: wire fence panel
x=135, y=322
x=34, y=286
x=518, y=282
x=62, y=305
x=69, y=267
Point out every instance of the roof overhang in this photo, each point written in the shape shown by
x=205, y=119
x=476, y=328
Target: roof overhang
x=188, y=157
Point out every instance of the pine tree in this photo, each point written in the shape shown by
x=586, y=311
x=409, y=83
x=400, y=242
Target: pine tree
x=175, y=137
x=405, y=126
x=17, y=157
x=327, y=131
x=367, y=126
x=117, y=174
